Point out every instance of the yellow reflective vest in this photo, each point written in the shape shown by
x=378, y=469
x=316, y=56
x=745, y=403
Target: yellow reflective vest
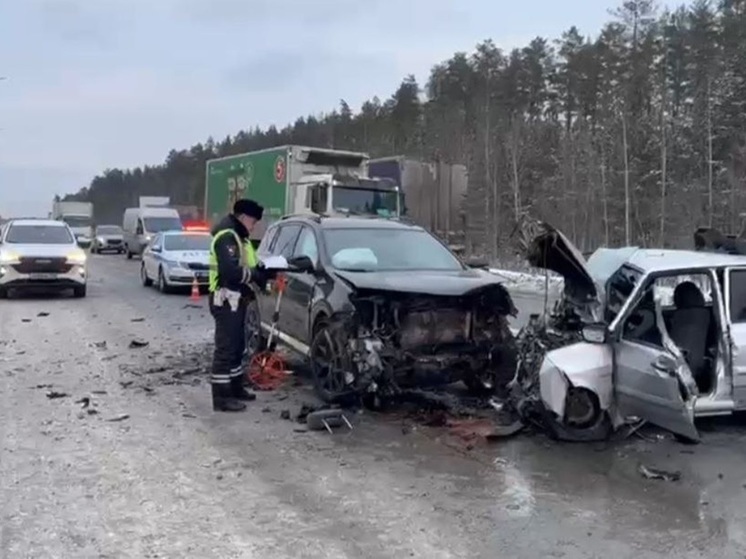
x=246, y=258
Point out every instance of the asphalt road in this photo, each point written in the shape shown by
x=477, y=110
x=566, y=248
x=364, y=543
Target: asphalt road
x=146, y=469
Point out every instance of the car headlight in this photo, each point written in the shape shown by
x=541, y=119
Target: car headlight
x=174, y=264
x=8, y=257
x=76, y=258
x=100, y=240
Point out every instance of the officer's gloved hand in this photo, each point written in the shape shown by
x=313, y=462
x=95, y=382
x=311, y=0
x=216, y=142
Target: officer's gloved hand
x=260, y=275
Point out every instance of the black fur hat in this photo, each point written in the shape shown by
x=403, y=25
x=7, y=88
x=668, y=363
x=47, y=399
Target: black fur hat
x=248, y=207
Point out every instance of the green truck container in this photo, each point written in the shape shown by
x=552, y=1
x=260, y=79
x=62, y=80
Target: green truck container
x=296, y=179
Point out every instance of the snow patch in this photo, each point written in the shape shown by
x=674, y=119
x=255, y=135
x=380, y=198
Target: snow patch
x=526, y=281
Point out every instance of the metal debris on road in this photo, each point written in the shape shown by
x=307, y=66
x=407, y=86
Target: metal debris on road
x=135, y=344
x=121, y=417
x=84, y=402
x=53, y=395
x=138, y=319
x=42, y=314
x=654, y=473
x=326, y=419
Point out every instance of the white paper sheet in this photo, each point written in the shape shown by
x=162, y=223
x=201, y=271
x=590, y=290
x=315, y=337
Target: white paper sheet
x=274, y=262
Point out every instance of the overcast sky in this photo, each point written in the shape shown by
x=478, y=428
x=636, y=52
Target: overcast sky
x=96, y=84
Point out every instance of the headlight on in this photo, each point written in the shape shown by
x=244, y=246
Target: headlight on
x=76, y=258
x=8, y=257
x=100, y=240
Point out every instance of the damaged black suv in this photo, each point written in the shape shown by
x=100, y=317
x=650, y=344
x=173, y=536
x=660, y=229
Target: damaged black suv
x=384, y=305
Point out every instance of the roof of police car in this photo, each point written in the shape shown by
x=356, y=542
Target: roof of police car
x=353, y=222
x=659, y=260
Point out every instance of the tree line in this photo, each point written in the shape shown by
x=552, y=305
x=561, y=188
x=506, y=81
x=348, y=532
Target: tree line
x=634, y=136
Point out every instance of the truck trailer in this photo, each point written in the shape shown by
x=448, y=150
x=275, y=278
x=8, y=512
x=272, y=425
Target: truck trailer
x=79, y=217
x=296, y=179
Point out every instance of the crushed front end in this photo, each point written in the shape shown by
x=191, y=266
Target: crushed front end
x=396, y=340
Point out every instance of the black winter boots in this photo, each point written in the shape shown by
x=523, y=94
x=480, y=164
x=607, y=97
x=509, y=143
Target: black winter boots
x=223, y=399
x=239, y=392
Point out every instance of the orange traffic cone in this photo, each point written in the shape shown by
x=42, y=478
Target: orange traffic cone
x=195, y=291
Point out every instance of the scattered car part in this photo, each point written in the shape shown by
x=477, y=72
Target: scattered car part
x=326, y=419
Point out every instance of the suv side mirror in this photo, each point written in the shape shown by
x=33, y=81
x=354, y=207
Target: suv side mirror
x=301, y=263
x=155, y=249
x=596, y=333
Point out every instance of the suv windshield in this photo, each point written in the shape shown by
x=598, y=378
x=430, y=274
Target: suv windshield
x=39, y=235
x=187, y=242
x=360, y=201
x=77, y=220
x=368, y=250
x=109, y=230
x=158, y=224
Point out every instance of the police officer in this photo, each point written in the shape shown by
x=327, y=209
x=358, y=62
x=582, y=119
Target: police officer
x=233, y=267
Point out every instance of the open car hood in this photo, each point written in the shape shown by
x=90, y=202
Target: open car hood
x=552, y=250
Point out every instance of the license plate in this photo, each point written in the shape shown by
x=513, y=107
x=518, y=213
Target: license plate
x=201, y=275
x=43, y=276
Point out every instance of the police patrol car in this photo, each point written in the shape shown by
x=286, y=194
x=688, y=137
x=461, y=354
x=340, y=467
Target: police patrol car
x=173, y=259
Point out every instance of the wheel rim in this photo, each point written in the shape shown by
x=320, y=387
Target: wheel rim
x=328, y=365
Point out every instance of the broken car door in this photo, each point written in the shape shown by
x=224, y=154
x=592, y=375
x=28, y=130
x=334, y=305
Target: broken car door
x=648, y=379
x=735, y=293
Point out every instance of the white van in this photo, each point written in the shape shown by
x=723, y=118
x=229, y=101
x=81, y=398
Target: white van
x=141, y=224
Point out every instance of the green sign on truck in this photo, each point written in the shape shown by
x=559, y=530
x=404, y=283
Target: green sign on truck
x=296, y=179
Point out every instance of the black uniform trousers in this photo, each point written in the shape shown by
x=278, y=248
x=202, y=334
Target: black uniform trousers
x=230, y=341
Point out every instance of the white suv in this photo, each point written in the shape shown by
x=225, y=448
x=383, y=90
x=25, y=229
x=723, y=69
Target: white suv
x=41, y=253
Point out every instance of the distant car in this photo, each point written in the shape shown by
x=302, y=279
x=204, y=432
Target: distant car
x=41, y=253
x=142, y=224
x=108, y=238
x=174, y=258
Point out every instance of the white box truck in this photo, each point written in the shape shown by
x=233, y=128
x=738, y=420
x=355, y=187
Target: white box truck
x=79, y=217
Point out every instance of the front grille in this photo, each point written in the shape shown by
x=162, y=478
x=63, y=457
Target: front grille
x=198, y=266
x=114, y=242
x=29, y=265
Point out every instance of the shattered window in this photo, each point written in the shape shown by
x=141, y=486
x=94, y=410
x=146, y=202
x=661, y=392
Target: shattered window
x=619, y=288
x=737, y=301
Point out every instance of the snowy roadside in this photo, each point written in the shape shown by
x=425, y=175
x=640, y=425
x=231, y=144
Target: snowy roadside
x=529, y=282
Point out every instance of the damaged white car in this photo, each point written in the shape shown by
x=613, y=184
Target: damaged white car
x=656, y=335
